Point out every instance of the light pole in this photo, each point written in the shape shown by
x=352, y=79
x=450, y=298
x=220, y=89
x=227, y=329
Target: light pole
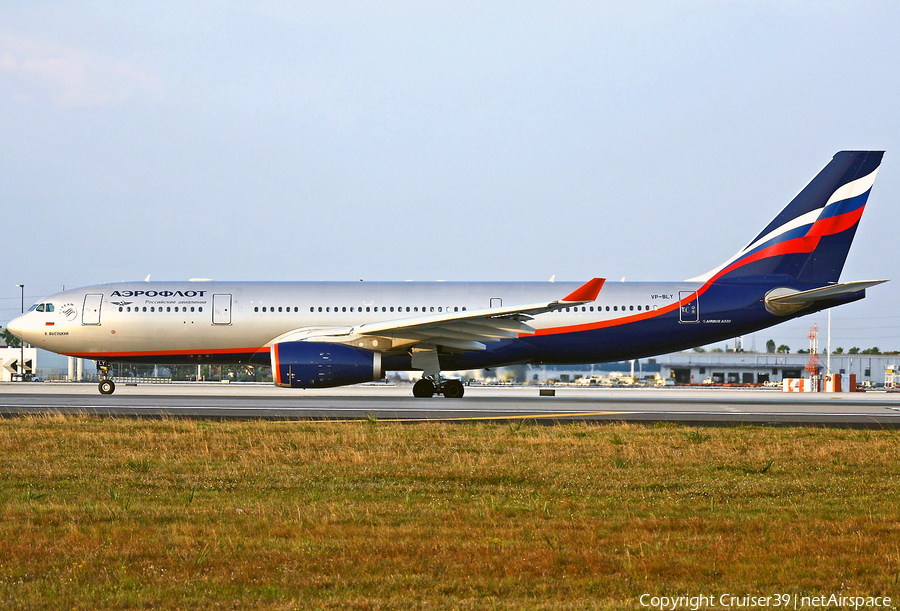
x=21, y=342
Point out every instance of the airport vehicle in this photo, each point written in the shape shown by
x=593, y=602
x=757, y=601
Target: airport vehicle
x=325, y=334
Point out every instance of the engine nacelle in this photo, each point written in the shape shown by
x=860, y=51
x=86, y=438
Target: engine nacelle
x=322, y=365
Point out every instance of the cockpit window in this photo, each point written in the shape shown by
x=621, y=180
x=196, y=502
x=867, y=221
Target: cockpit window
x=41, y=307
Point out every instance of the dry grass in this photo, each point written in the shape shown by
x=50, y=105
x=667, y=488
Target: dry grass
x=175, y=514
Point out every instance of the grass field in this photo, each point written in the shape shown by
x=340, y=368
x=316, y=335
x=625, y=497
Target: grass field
x=371, y=515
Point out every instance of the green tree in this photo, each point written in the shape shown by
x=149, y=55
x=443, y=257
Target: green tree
x=874, y=350
x=839, y=350
x=783, y=349
x=853, y=350
x=9, y=339
x=770, y=346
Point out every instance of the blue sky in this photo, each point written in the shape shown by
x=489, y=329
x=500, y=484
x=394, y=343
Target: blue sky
x=398, y=140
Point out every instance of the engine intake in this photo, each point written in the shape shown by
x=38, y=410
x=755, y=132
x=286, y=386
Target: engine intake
x=322, y=365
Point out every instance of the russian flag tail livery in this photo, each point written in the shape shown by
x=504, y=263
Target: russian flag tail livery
x=810, y=239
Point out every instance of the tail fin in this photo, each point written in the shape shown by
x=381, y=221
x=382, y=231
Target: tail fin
x=810, y=239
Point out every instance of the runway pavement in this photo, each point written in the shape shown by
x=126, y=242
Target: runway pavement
x=384, y=402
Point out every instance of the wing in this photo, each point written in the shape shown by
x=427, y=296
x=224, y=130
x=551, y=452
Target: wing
x=454, y=331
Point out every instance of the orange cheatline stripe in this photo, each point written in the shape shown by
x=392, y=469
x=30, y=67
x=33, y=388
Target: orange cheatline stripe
x=103, y=355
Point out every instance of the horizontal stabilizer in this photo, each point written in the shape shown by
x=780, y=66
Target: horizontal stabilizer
x=786, y=301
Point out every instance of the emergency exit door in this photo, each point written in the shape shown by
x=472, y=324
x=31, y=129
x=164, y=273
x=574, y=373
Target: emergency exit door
x=222, y=309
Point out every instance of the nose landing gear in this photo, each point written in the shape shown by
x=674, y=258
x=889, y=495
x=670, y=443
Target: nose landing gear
x=106, y=386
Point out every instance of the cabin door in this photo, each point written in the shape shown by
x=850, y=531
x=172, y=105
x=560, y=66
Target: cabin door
x=90, y=314
x=690, y=307
x=222, y=309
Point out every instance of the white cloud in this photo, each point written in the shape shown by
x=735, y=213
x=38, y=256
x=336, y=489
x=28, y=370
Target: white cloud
x=72, y=77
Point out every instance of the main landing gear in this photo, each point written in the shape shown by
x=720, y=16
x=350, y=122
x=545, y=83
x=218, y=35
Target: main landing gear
x=106, y=386
x=429, y=385
x=425, y=358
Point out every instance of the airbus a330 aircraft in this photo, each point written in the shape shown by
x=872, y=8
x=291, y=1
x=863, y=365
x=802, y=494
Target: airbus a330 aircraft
x=325, y=334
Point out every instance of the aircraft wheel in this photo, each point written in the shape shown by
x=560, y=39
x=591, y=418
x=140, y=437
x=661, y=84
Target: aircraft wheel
x=423, y=388
x=453, y=389
x=107, y=387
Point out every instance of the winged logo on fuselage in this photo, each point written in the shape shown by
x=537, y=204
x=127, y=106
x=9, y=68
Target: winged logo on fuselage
x=68, y=311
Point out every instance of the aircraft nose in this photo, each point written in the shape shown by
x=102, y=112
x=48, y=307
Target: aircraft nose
x=16, y=326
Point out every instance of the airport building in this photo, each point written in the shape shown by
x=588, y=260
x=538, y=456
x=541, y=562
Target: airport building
x=759, y=368
x=10, y=359
x=715, y=368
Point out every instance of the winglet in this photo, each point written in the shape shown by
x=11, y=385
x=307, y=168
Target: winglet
x=586, y=292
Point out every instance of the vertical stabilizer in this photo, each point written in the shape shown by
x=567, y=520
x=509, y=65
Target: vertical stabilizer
x=809, y=240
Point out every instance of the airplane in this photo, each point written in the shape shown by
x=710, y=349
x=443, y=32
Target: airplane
x=327, y=334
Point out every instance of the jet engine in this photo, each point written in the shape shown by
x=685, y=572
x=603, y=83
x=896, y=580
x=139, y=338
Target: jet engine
x=304, y=364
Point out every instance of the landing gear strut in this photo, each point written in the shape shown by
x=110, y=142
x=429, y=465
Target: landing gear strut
x=106, y=386
x=428, y=386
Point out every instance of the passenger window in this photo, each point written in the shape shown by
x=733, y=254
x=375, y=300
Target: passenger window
x=615, y=308
x=407, y=308
x=256, y=309
x=631, y=308
x=168, y=309
x=121, y=308
x=384, y=308
x=392, y=308
x=415, y=308
x=344, y=309
x=320, y=308
x=367, y=308
x=639, y=308
x=432, y=308
x=439, y=309
x=192, y=309
x=128, y=309
x=200, y=309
